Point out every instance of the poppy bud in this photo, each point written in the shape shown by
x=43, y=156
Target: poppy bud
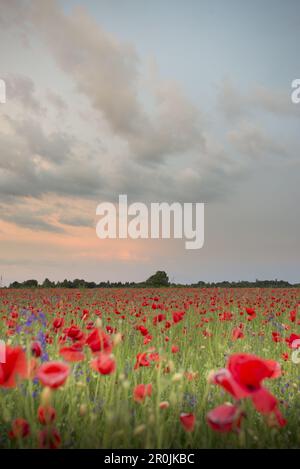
x=82, y=410
x=46, y=415
x=20, y=429
x=98, y=323
x=117, y=339
x=139, y=429
x=188, y=421
x=164, y=405
x=46, y=396
x=177, y=377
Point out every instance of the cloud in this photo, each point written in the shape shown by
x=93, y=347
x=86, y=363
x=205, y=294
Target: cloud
x=12, y=13
x=56, y=101
x=108, y=73
x=76, y=220
x=250, y=140
x=154, y=144
x=33, y=162
x=236, y=104
x=54, y=147
x=29, y=220
x=21, y=88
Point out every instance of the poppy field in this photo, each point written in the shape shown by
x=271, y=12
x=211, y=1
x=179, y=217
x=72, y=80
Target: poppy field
x=150, y=368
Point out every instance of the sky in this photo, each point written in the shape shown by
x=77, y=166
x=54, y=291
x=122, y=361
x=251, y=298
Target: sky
x=168, y=100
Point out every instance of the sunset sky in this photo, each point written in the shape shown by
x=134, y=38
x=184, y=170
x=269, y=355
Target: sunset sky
x=162, y=100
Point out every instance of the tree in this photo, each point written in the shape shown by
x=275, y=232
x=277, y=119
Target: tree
x=30, y=283
x=48, y=284
x=159, y=279
x=15, y=285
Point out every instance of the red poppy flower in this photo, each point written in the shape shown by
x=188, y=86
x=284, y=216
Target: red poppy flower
x=174, y=349
x=104, y=364
x=20, y=429
x=251, y=313
x=188, y=421
x=153, y=357
x=276, y=337
x=243, y=378
x=147, y=339
x=249, y=370
x=143, y=330
x=264, y=401
x=74, y=333
x=73, y=353
x=178, y=316
x=224, y=418
x=237, y=333
x=141, y=360
x=36, y=349
x=224, y=378
x=49, y=439
x=98, y=341
x=159, y=318
x=293, y=341
x=46, y=415
x=53, y=374
x=141, y=391
x=14, y=368
x=293, y=315
x=58, y=323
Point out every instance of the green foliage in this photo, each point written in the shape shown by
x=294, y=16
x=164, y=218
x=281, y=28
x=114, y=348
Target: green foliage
x=159, y=279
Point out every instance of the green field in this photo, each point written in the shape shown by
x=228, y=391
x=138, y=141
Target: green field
x=94, y=410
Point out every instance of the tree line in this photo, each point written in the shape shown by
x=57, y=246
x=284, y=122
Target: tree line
x=159, y=279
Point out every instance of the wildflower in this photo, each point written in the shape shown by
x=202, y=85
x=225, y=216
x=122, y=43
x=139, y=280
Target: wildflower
x=14, y=368
x=188, y=421
x=73, y=353
x=49, y=439
x=178, y=316
x=20, y=429
x=141, y=391
x=243, y=378
x=99, y=341
x=104, y=364
x=46, y=415
x=164, y=405
x=224, y=418
x=53, y=374
x=36, y=349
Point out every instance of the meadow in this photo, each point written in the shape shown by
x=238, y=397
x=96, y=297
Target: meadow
x=150, y=368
